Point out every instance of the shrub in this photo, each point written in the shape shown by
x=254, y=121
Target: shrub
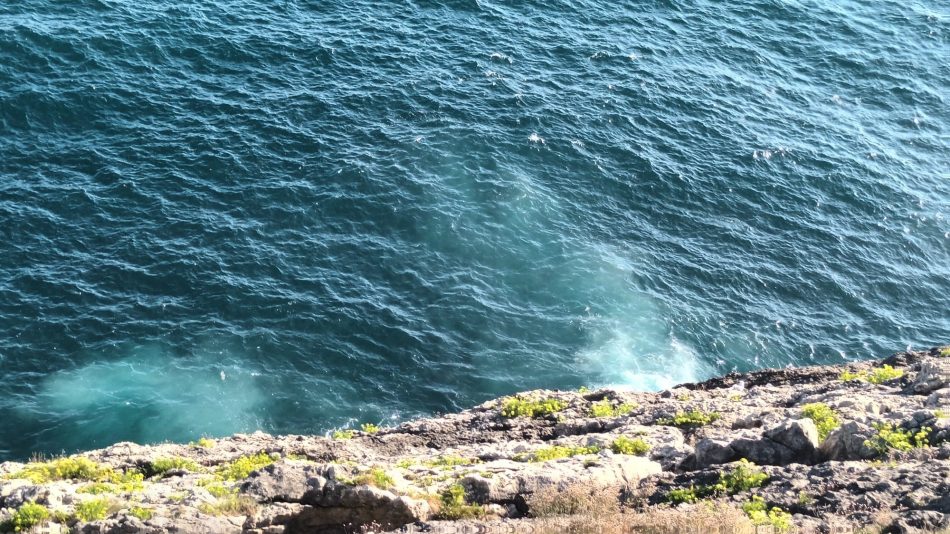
x=522, y=407
x=454, y=507
x=743, y=477
x=605, y=408
x=625, y=445
x=823, y=416
x=874, y=376
x=690, y=418
x=162, y=466
x=205, y=443
x=141, y=512
x=126, y=482
x=28, y=516
x=555, y=452
x=374, y=477
x=343, y=434
x=242, y=467
x=216, y=489
x=369, y=428
x=93, y=510
x=74, y=468
x=891, y=437
x=943, y=352
x=683, y=495
x=779, y=519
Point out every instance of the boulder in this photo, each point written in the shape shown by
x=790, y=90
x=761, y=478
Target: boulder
x=933, y=375
x=847, y=443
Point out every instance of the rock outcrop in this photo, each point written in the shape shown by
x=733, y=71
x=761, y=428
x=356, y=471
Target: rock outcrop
x=808, y=448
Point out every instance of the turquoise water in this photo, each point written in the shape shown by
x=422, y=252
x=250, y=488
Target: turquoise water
x=223, y=216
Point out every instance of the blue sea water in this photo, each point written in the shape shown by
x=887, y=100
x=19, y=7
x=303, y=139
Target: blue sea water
x=298, y=215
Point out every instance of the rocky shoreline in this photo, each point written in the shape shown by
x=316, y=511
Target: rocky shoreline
x=815, y=449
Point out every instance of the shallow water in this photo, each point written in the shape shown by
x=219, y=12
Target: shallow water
x=298, y=215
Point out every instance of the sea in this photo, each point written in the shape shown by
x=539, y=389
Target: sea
x=295, y=216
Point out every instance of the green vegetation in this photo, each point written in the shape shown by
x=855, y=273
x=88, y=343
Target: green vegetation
x=736, y=397
x=683, y=397
x=522, y=407
x=690, y=418
x=72, y=468
x=940, y=414
x=780, y=520
x=449, y=460
x=605, y=408
x=625, y=445
x=374, y=477
x=745, y=476
x=140, y=512
x=205, y=443
x=555, y=452
x=585, y=389
x=126, y=482
x=369, y=428
x=28, y=516
x=242, y=467
x=230, y=505
x=343, y=434
x=162, y=466
x=944, y=352
x=874, y=376
x=92, y=510
x=824, y=418
x=891, y=437
x=687, y=495
x=805, y=499
x=216, y=488
x=453, y=505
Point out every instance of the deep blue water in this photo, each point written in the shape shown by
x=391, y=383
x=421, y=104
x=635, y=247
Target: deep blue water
x=297, y=215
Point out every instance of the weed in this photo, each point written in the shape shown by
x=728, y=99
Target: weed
x=743, y=477
x=405, y=464
x=944, y=352
x=605, y=408
x=28, y=516
x=343, y=434
x=625, y=445
x=162, y=466
x=891, y=437
x=140, y=512
x=585, y=389
x=823, y=416
x=805, y=499
x=690, y=418
x=940, y=414
x=453, y=505
x=683, y=397
x=555, y=452
x=92, y=510
x=204, y=443
x=779, y=519
x=215, y=488
x=242, y=467
x=369, y=428
x=522, y=407
x=736, y=397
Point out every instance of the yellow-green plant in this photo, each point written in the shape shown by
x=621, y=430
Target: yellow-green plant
x=944, y=352
x=690, y=418
x=755, y=509
x=28, y=516
x=605, y=408
x=523, y=407
x=683, y=495
x=743, y=477
x=230, y=505
x=454, y=507
x=374, y=477
x=889, y=437
x=141, y=512
x=825, y=418
x=70, y=468
x=879, y=375
x=242, y=467
x=369, y=428
x=343, y=434
x=625, y=445
x=162, y=466
x=92, y=510
x=449, y=460
x=555, y=452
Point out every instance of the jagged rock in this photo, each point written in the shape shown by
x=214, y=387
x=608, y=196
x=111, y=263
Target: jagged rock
x=714, y=451
x=933, y=375
x=848, y=443
x=281, y=482
x=799, y=436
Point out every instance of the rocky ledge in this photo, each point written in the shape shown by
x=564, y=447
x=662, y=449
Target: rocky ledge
x=813, y=449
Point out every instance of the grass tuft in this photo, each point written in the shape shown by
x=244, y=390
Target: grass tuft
x=454, y=507
x=879, y=375
x=891, y=437
x=369, y=428
x=162, y=466
x=92, y=510
x=555, y=452
x=605, y=408
x=343, y=434
x=28, y=516
x=374, y=477
x=140, y=512
x=780, y=520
